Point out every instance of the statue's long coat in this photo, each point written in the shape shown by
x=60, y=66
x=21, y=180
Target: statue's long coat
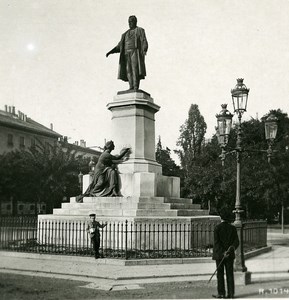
x=141, y=48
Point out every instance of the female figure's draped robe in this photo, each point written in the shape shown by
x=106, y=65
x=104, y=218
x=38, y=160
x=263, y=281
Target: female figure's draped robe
x=105, y=181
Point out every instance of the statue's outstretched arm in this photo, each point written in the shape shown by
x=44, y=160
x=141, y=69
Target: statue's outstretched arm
x=123, y=152
x=114, y=50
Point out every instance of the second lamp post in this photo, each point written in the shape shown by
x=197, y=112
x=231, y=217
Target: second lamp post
x=224, y=118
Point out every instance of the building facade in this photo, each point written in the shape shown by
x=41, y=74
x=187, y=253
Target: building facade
x=17, y=131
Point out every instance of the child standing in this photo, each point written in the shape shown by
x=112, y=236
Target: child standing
x=93, y=230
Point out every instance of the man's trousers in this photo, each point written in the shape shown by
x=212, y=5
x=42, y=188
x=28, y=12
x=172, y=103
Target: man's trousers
x=228, y=264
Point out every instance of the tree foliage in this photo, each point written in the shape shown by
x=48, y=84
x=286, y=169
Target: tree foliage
x=192, y=134
x=163, y=157
x=264, y=186
x=190, y=143
x=42, y=174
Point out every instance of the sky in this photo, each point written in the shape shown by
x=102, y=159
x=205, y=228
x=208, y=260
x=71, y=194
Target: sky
x=53, y=66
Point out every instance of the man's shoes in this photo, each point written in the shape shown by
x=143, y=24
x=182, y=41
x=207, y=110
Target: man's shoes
x=219, y=296
x=230, y=297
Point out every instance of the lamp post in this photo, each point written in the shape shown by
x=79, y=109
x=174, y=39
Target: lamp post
x=270, y=133
x=224, y=120
x=224, y=123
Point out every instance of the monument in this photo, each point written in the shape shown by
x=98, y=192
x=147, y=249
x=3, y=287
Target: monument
x=146, y=196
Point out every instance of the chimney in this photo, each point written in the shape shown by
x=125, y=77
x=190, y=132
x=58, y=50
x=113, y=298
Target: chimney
x=13, y=110
x=82, y=143
x=76, y=143
x=6, y=108
x=51, y=126
x=65, y=139
x=25, y=117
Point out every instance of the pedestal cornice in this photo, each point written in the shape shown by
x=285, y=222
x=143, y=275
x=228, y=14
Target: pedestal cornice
x=139, y=99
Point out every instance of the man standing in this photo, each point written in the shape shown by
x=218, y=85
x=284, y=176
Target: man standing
x=132, y=47
x=225, y=242
x=93, y=231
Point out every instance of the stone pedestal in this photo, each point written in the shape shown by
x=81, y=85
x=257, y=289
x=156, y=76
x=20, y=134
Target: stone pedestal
x=133, y=125
x=148, y=197
x=144, y=184
x=242, y=278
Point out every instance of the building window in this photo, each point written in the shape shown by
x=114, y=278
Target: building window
x=20, y=207
x=10, y=139
x=22, y=141
x=32, y=207
x=8, y=207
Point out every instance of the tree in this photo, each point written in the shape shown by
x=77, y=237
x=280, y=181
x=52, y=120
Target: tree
x=163, y=157
x=191, y=139
x=192, y=134
x=42, y=174
x=264, y=187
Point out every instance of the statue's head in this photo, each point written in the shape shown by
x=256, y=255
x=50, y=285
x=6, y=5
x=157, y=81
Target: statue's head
x=132, y=20
x=109, y=145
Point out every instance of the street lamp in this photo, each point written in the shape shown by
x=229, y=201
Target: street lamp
x=270, y=133
x=224, y=125
x=224, y=122
x=240, y=97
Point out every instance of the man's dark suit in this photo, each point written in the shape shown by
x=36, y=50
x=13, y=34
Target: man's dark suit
x=225, y=236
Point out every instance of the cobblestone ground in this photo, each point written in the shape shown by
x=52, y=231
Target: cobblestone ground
x=32, y=287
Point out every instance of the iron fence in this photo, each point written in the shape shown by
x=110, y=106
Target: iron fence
x=254, y=234
x=125, y=239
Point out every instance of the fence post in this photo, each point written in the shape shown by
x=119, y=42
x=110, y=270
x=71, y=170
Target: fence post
x=126, y=254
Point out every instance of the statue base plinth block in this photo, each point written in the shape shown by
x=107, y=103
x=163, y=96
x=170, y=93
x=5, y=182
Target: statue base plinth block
x=133, y=125
x=242, y=278
x=132, y=207
x=136, y=165
x=144, y=184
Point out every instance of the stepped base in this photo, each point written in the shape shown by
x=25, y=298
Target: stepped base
x=141, y=223
x=131, y=207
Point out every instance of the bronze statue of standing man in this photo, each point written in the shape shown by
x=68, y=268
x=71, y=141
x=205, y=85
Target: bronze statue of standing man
x=132, y=47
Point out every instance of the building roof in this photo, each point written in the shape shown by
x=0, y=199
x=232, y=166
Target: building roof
x=80, y=149
x=22, y=122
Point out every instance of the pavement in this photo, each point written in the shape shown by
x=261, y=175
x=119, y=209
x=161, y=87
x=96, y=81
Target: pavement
x=107, y=273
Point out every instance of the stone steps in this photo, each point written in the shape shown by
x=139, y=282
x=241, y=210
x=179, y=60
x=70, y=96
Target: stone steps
x=102, y=205
x=178, y=200
x=120, y=199
x=130, y=212
x=134, y=199
x=192, y=212
x=132, y=207
x=184, y=206
x=117, y=212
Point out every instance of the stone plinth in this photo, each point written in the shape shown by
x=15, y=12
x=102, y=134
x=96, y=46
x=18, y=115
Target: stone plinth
x=133, y=125
x=242, y=278
x=144, y=233
x=148, y=198
x=144, y=184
